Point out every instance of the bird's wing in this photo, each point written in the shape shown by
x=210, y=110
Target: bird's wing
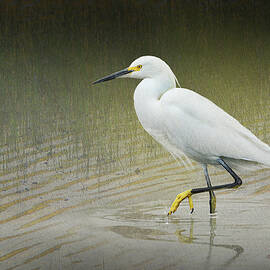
x=205, y=132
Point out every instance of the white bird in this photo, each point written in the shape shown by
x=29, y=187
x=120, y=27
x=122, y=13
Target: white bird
x=185, y=122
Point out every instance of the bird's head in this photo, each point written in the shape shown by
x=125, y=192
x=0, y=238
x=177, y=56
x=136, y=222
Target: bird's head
x=141, y=68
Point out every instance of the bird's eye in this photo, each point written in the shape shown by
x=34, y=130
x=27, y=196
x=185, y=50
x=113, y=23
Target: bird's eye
x=139, y=66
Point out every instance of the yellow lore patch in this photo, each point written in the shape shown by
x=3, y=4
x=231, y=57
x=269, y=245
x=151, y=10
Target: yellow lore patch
x=137, y=68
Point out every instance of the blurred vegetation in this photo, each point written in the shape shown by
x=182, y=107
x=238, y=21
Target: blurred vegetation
x=52, y=50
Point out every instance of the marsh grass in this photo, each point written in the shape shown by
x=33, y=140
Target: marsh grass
x=50, y=54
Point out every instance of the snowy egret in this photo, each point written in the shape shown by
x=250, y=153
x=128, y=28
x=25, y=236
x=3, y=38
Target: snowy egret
x=185, y=122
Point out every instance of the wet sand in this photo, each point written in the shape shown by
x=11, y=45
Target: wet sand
x=70, y=219
x=82, y=186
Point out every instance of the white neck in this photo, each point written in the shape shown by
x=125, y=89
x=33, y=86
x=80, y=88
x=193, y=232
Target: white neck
x=147, y=95
x=153, y=88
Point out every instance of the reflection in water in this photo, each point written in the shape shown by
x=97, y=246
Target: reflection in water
x=139, y=223
x=66, y=146
x=190, y=240
x=186, y=239
x=138, y=233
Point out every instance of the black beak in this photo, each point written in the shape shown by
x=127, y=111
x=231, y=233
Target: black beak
x=113, y=76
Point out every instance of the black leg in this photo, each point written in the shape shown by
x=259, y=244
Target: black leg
x=188, y=193
x=212, y=197
x=237, y=180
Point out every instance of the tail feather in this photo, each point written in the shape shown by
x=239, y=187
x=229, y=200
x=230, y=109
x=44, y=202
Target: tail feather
x=263, y=156
x=258, y=151
x=260, y=160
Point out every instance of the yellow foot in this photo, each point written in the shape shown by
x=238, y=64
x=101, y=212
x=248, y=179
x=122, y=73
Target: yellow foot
x=179, y=198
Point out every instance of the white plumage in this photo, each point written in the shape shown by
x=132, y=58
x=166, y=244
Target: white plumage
x=185, y=122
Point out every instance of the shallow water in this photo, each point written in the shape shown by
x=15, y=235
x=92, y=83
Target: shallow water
x=82, y=186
